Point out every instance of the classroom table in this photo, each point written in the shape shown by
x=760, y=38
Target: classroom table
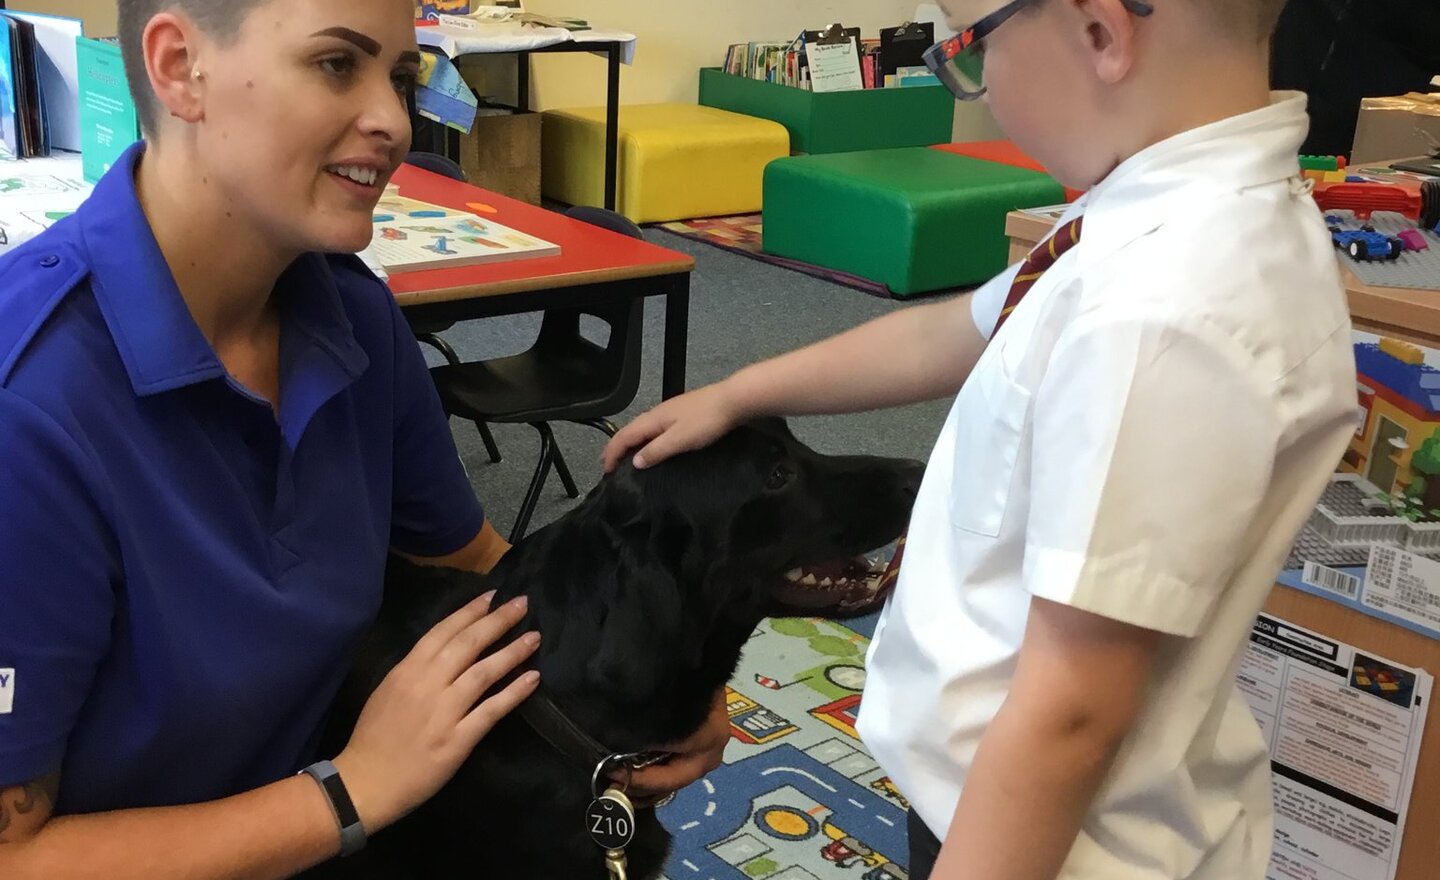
x=594, y=265
x=1414, y=316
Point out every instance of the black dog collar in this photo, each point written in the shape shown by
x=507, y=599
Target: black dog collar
x=570, y=739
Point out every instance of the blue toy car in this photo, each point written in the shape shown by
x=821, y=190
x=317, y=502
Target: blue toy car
x=1365, y=244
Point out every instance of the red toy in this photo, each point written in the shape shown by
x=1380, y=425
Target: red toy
x=1420, y=203
x=1367, y=198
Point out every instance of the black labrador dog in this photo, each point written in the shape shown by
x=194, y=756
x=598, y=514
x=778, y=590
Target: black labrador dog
x=645, y=592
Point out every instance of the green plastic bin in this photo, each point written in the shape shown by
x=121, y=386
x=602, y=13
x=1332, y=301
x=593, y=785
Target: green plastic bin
x=837, y=122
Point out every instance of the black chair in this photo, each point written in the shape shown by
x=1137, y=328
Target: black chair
x=563, y=377
x=438, y=164
x=429, y=332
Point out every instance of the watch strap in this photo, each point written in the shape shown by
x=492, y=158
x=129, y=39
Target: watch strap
x=352, y=831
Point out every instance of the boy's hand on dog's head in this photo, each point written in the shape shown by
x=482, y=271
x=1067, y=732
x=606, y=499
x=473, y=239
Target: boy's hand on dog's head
x=691, y=759
x=423, y=720
x=681, y=424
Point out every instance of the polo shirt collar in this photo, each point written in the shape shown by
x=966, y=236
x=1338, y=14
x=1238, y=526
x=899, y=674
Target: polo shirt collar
x=1156, y=184
x=159, y=342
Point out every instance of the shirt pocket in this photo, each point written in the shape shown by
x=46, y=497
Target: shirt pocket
x=988, y=438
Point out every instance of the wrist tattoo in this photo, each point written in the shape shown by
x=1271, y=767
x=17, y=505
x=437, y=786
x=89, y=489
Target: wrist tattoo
x=22, y=800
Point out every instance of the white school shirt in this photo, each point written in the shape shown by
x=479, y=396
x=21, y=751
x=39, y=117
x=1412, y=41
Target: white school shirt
x=1143, y=439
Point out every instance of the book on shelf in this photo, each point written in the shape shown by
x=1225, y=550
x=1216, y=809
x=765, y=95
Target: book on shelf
x=775, y=62
x=789, y=63
x=41, y=87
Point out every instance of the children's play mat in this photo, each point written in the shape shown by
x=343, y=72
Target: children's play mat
x=798, y=797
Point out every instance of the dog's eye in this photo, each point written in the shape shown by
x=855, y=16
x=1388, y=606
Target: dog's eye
x=778, y=478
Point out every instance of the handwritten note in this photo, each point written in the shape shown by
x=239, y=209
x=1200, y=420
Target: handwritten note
x=834, y=67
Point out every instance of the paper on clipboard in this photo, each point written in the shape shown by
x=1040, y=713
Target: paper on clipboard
x=834, y=59
x=905, y=46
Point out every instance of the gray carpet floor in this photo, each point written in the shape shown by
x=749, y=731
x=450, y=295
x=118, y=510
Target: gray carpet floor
x=741, y=311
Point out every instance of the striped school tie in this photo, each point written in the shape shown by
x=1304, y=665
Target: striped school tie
x=1041, y=257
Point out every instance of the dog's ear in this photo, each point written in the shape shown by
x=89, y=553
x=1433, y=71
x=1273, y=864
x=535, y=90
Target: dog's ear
x=655, y=625
x=619, y=503
x=645, y=635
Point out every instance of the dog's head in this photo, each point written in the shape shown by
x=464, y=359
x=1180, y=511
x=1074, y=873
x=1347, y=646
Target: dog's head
x=758, y=503
x=680, y=561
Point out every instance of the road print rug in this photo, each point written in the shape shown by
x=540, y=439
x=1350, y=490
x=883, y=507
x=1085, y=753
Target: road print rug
x=799, y=797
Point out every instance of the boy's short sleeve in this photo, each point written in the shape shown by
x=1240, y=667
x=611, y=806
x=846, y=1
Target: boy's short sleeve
x=435, y=511
x=987, y=301
x=1153, y=448
x=57, y=568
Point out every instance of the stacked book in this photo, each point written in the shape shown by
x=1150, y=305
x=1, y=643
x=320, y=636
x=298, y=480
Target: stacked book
x=782, y=63
x=786, y=63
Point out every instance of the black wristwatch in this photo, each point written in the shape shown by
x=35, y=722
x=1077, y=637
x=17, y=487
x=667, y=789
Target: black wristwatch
x=352, y=831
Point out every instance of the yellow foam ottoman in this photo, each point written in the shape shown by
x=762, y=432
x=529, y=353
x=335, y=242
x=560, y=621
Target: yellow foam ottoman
x=676, y=161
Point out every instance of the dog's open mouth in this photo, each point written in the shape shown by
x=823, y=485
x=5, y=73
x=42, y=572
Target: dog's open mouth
x=844, y=587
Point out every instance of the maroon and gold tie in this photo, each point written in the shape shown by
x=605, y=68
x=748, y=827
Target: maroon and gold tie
x=1041, y=257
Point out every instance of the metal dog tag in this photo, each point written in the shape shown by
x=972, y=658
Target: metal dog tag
x=610, y=819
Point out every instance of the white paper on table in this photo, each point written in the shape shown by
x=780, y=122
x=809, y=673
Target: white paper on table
x=59, y=75
x=1049, y=212
x=834, y=67
x=494, y=38
x=35, y=193
x=627, y=41
x=1343, y=728
x=58, y=175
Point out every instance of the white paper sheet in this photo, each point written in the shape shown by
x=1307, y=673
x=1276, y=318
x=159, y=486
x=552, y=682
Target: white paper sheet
x=1344, y=729
x=35, y=193
x=511, y=37
x=834, y=67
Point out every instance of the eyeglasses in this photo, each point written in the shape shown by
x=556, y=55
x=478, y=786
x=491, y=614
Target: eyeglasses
x=959, y=62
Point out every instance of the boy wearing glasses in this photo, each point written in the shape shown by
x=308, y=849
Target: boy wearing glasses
x=1147, y=409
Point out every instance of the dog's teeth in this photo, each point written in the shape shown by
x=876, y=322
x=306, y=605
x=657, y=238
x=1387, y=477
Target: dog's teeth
x=793, y=574
x=825, y=583
x=808, y=580
x=842, y=582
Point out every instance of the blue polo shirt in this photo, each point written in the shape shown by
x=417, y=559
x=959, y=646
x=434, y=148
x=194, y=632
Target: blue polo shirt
x=182, y=572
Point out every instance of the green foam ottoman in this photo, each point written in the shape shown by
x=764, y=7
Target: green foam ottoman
x=914, y=219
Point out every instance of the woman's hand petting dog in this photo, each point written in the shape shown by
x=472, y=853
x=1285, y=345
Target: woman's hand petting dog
x=423, y=720
x=692, y=758
x=681, y=424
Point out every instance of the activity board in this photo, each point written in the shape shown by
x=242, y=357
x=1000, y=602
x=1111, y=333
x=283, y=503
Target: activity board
x=412, y=235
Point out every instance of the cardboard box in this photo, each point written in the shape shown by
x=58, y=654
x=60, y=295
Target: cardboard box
x=433, y=9
x=1396, y=128
x=108, y=120
x=502, y=154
